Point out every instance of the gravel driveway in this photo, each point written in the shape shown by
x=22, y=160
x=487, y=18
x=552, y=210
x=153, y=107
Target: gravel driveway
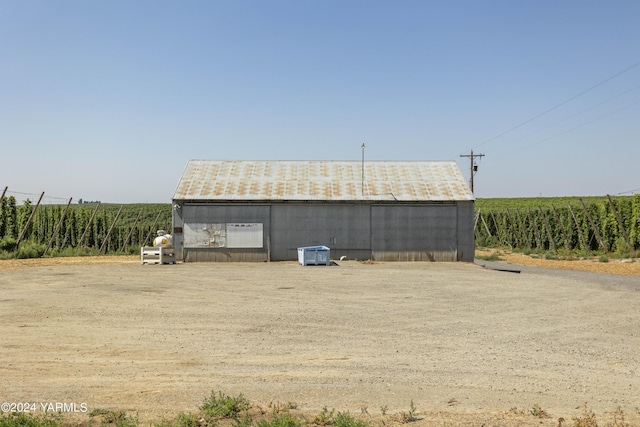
x=454, y=337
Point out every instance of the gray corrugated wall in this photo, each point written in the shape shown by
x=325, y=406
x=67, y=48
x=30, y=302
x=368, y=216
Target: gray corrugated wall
x=466, y=237
x=388, y=232
x=414, y=232
x=342, y=227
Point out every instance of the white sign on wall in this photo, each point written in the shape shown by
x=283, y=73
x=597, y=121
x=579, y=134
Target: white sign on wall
x=223, y=235
x=244, y=235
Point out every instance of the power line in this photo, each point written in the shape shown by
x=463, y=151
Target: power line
x=569, y=130
x=635, y=190
x=569, y=117
x=22, y=193
x=560, y=104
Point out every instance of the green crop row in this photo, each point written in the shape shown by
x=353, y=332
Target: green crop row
x=27, y=232
x=588, y=224
x=584, y=224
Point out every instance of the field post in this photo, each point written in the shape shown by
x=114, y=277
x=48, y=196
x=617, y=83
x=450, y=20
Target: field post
x=567, y=244
x=582, y=239
x=593, y=225
x=124, y=244
x=26, y=226
x=536, y=232
x=486, y=227
x=495, y=223
x=513, y=226
x=150, y=231
x=86, y=229
x=4, y=192
x=624, y=231
x=546, y=224
x=55, y=232
x=106, y=238
x=524, y=232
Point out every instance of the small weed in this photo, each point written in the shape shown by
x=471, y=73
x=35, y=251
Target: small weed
x=282, y=407
x=223, y=406
x=186, y=419
x=603, y=258
x=538, y=412
x=618, y=418
x=384, y=409
x=410, y=416
x=364, y=410
x=324, y=418
x=245, y=421
x=30, y=250
x=344, y=419
x=22, y=419
x=493, y=257
x=114, y=418
x=587, y=419
x=99, y=412
x=281, y=420
x=278, y=407
x=164, y=423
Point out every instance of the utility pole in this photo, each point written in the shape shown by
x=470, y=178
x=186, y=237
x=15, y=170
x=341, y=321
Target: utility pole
x=474, y=167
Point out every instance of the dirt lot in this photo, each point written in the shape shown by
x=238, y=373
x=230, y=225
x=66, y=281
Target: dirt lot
x=469, y=345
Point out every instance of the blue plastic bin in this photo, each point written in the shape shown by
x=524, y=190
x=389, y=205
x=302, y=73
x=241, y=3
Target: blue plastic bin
x=314, y=255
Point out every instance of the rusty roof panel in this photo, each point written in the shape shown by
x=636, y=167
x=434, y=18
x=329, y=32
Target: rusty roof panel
x=322, y=180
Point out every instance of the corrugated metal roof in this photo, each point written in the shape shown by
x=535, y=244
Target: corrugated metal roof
x=322, y=180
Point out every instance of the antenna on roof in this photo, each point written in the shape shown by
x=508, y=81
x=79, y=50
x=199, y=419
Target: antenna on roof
x=363, y=147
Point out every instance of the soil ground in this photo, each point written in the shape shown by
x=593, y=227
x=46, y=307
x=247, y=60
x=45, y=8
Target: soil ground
x=468, y=345
x=617, y=266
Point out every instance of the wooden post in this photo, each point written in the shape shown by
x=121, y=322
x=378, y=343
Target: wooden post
x=106, y=238
x=26, y=226
x=536, y=232
x=567, y=244
x=582, y=238
x=486, y=227
x=546, y=224
x=593, y=225
x=624, y=231
x=3, y=193
x=55, y=232
x=497, y=228
x=513, y=225
x=152, y=227
x=124, y=244
x=524, y=232
x=86, y=229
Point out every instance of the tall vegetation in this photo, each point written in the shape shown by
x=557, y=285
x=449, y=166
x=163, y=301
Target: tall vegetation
x=560, y=224
x=81, y=230
x=544, y=224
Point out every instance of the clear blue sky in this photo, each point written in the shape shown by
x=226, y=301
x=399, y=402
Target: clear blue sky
x=107, y=100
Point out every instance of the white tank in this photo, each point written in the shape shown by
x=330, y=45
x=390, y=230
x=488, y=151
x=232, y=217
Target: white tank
x=163, y=239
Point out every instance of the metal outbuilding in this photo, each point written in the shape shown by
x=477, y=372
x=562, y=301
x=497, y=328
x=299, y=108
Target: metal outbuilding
x=226, y=210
